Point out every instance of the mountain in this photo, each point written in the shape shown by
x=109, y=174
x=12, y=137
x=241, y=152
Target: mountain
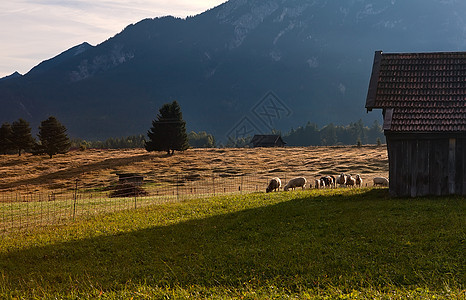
x=52, y=63
x=14, y=75
x=243, y=67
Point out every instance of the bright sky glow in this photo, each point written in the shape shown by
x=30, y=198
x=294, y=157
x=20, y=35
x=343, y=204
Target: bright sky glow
x=35, y=30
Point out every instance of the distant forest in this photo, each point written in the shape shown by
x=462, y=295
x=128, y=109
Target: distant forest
x=308, y=135
x=330, y=135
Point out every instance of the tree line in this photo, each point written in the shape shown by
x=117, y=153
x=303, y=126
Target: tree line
x=195, y=140
x=353, y=134
x=168, y=133
x=17, y=138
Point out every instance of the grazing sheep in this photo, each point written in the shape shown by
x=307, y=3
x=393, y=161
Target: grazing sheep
x=274, y=185
x=295, y=182
x=350, y=181
x=317, y=183
x=322, y=183
x=341, y=179
x=327, y=181
x=380, y=181
x=358, y=180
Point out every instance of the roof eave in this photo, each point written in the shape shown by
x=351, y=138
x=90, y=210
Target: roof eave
x=372, y=91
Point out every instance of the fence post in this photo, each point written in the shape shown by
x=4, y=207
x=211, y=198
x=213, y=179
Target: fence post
x=241, y=186
x=178, y=188
x=11, y=211
x=41, y=209
x=75, y=199
x=27, y=210
x=3, y=210
x=213, y=183
x=17, y=202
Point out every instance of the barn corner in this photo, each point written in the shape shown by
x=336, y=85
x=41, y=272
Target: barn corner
x=423, y=101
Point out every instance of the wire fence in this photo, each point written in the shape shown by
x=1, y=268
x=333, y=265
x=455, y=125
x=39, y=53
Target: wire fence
x=23, y=209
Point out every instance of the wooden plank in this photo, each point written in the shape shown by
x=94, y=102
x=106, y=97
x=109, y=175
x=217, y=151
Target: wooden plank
x=387, y=121
x=402, y=176
x=439, y=167
x=451, y=165
x=461, y=171
x=442, y=167
x=392, y=169
x=423, y=162
x=413, y=155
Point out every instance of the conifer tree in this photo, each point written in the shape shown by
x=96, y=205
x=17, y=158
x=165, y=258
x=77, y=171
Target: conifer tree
x=168, y=131
x=6, y=134
x=53, y=138
x=21, y=136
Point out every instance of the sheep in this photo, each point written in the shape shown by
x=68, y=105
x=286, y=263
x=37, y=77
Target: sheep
x=350, y=181
x=327, y=181
x=295, y=182
x=358, y=180
x=380, y=181
x=274, y=185
x=322, y=183
x=317, y=183
x=341, y=179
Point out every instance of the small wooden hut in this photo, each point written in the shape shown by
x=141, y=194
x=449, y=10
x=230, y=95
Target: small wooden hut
x=132, y=178
x=423, y=101
x=267, y=140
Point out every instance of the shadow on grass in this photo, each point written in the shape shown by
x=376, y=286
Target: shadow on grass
x=348, y=241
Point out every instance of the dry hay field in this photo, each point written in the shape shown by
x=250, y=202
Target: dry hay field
x=98, y=168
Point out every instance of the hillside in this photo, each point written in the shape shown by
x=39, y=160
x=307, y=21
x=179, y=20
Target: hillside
x=98, y=168
x=314, y=56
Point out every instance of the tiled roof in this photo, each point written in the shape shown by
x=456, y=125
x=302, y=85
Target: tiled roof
x=427, y=91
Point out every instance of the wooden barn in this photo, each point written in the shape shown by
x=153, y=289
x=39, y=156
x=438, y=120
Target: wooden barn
x=267, y=140
x=423, y=100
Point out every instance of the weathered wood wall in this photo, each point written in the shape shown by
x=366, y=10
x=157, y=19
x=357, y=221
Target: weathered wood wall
x=427, y=165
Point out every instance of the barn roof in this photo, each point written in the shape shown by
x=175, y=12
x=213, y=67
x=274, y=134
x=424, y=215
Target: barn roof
x=267, y=140
x=419, y=92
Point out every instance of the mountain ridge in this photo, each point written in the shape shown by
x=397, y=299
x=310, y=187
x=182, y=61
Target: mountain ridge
x=229, y=65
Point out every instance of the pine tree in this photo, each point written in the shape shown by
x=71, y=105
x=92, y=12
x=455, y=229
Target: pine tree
x=53, y=138
x=6, y=143
x=168, y=131
x=21, y=136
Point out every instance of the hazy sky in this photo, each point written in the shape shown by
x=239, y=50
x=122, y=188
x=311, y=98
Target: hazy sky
x=35, y=30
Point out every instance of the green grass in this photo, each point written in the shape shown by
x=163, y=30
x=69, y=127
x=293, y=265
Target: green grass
x=347, y=244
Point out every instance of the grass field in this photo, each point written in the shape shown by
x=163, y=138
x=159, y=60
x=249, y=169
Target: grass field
x=319, y=244
x=98, y=168
x=39, y=191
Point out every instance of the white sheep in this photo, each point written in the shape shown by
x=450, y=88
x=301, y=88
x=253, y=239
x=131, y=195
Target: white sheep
x=334, y=181
x=350, y=181
x=274, y=185
x=317, y=183
x=295, y=182
x=341, y=179
x=380, y=181
x=358, y=180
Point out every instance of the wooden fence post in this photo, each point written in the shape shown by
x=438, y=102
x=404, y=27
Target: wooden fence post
x=75, y=199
